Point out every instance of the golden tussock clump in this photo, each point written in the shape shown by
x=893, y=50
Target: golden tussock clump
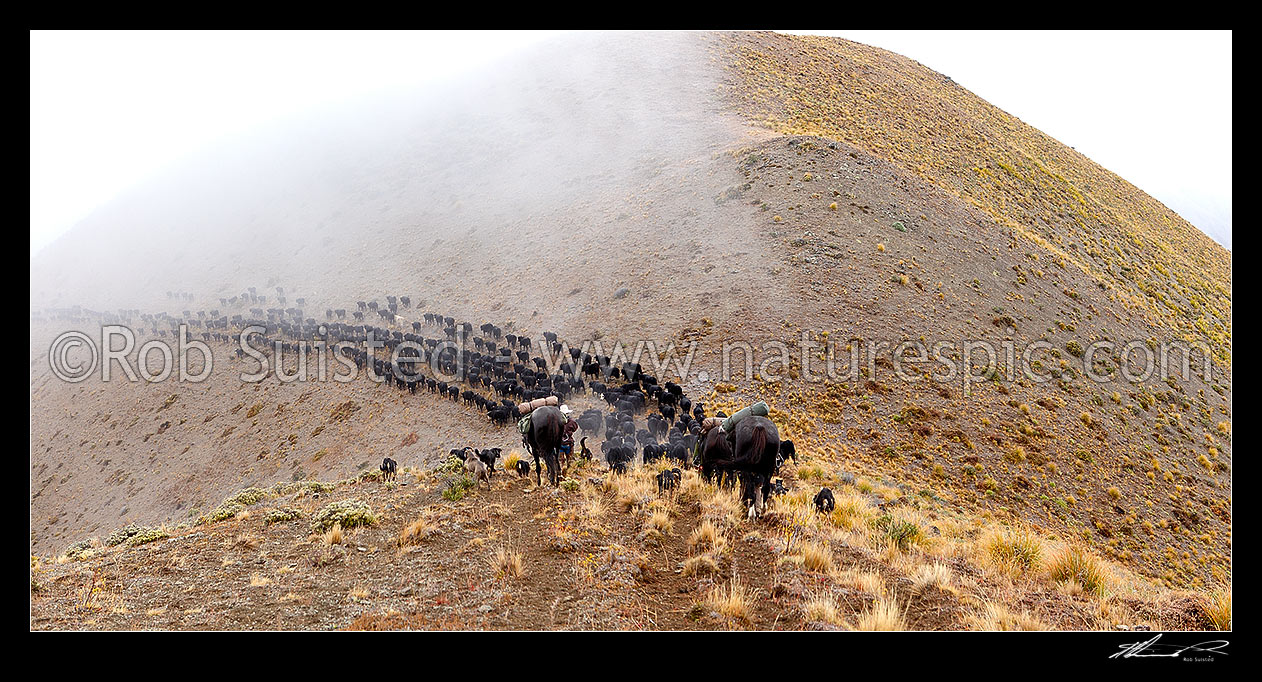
x=1073, y=565
x=1217, y=608
x=419, y=530
x=815, y=557
x=882, y=615
x=996, y=617
x=333, y=536
x=698, y=565
x=660, y=521
x=864, y=581
x=935, y=574
x=1011, y=551
x=822, y=608
x=705, y=536
x=507, y=564
x=730, y=600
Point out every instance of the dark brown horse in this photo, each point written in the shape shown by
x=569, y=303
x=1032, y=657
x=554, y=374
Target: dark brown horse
x=716, y=455
x=753, y=460
x=544, y=440
x=757, y=445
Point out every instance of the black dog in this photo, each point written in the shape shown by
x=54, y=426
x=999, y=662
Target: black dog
x=668, y=479
x=824, y=501
x=523, y=468
x=584, y=452
x=787, y=452
x=388, y=469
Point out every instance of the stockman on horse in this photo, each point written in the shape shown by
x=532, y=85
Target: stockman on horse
x=728, y=424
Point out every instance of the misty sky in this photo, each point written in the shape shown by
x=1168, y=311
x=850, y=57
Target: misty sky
x=109, y=110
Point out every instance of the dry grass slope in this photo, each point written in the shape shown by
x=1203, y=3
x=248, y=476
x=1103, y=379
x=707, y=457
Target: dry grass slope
x=1143, y=253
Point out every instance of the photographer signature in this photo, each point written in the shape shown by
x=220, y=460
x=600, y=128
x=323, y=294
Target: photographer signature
x=1151, y=649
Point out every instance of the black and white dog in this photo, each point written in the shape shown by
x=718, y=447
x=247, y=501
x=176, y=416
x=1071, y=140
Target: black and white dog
x=488, y=457
x=824, y=501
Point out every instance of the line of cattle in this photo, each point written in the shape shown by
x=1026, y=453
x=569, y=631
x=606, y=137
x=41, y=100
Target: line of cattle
x=501, y=364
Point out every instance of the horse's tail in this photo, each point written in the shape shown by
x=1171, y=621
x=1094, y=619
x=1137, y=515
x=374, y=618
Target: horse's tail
x=760, y=444
x=552, y=432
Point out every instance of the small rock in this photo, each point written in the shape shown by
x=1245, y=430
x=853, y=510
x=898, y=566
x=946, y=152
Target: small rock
x=485, y=608
x=621, y=292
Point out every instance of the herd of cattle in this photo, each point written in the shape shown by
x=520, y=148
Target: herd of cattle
x=494, y=371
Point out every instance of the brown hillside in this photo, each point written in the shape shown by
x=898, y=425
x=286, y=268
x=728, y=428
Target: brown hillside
x=870, y=200
x=1144, y=255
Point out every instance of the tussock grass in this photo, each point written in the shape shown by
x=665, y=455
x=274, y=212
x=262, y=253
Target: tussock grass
x=1217, y=607
x=660, y=522
x=810, y=472
x=1011, y=551
x=822, y=608
x=815, y=556
x=935, y=574
x=1073, y=564
x=699, y=565
x=706, y=536
x=632, y=491
x=419, y=530
x=900, y=531
x=507, y=564
x=882, y=615
x=592, y=507
x=691, y=488
x=510, y=462
x=333, y=536
x=723, y=506
x=996, y=617
x=852, y=511
x=863, y=581
x=730, y=600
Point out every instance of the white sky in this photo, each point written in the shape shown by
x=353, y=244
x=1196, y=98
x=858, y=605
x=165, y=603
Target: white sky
x=109, y=109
